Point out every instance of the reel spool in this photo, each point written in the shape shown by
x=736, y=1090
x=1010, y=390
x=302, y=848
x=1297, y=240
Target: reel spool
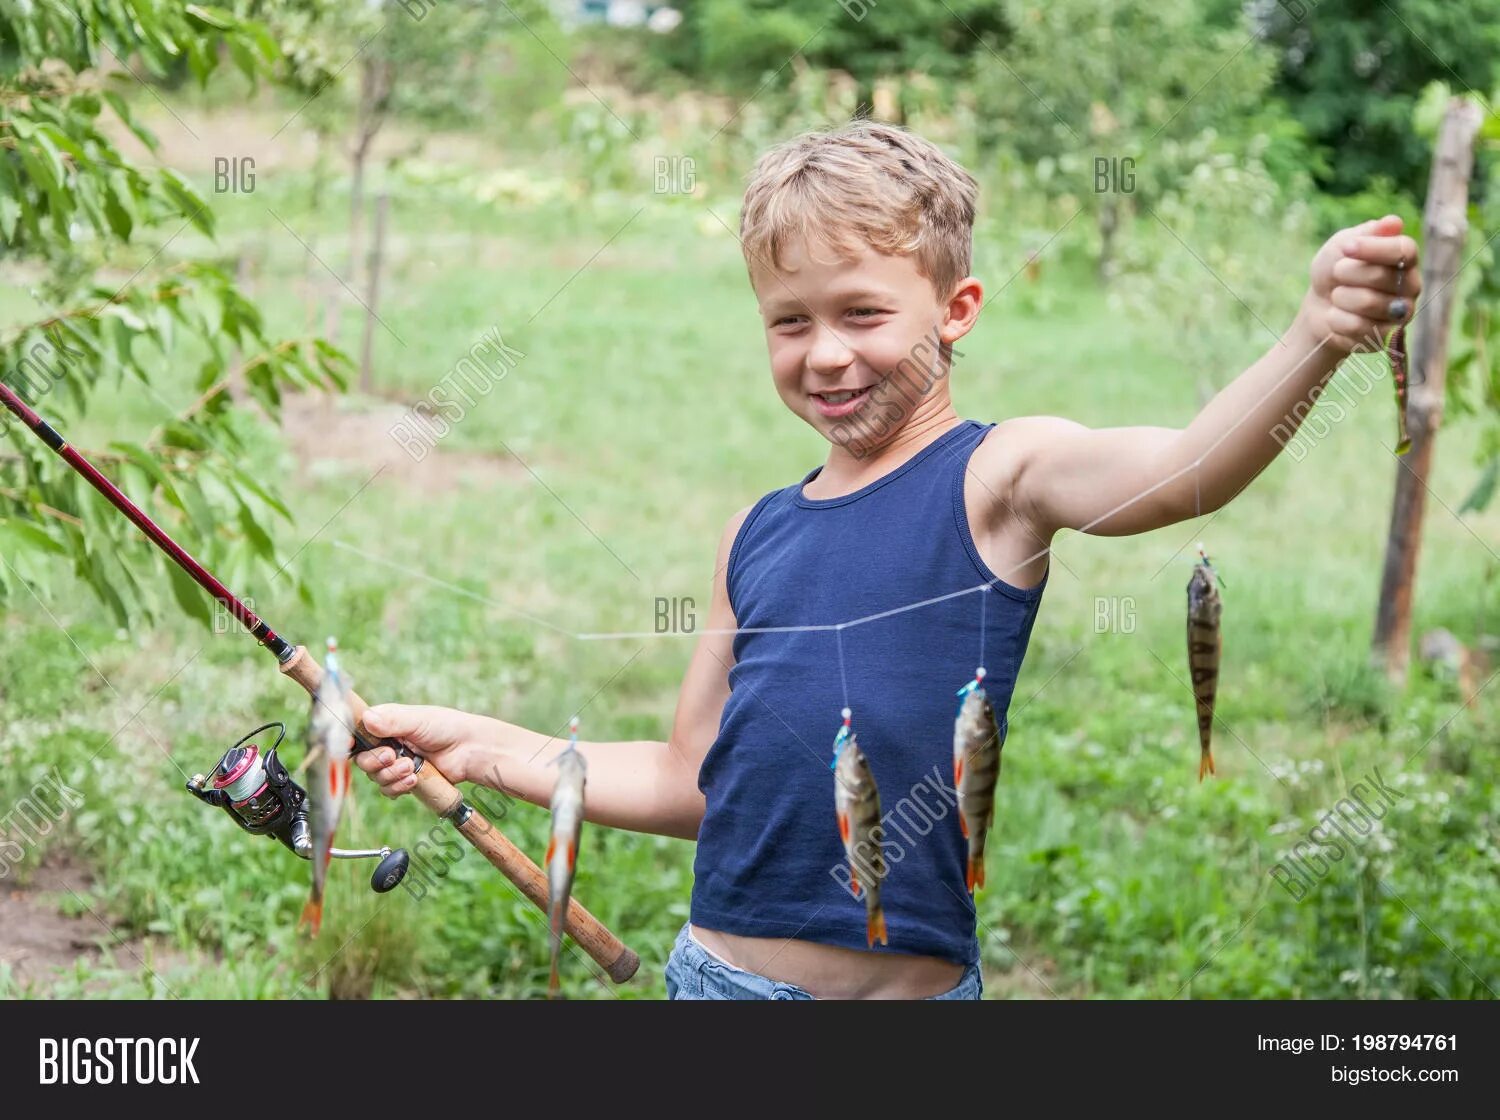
x=260, y=795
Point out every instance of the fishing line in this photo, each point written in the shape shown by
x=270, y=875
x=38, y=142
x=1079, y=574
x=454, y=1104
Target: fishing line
x=838, y=634
x=983, y=610
x=646, y=634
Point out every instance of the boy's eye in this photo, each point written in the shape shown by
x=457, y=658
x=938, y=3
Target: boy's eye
x=865, y=312
x=787, y=320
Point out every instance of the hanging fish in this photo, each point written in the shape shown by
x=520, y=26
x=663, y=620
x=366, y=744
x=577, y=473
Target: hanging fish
x=562, y=847
x=1204, y=644
x=857, y=803
x=976, y=771
x=330, y=736
x=1396, y=350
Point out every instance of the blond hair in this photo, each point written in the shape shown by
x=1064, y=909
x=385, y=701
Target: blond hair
x=862, y=184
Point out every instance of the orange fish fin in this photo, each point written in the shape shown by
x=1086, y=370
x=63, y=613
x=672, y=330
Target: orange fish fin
x=572, y=856
x=1206, y=764
x=977, y=873
x=553, y=983
x=312, y=915
x=875, y=928
x=958, y=771
x=844, y=827
x=963, y=825
x=551, y=847
x=853, y=880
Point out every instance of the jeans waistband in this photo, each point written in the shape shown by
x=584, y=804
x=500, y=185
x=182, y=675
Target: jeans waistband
x=696, y=972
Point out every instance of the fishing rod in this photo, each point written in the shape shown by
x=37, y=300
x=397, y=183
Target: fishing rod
x=432, y=788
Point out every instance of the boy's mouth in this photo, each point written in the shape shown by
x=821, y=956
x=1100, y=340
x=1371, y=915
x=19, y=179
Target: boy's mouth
x=842, y=402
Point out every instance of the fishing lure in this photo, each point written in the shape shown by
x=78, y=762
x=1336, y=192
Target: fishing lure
x=562, y=847
x=1204, y=644
x=857, y=804
x=330, y=739
x=1396, y=348
x=976, y=771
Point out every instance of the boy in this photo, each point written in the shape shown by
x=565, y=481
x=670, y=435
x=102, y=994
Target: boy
x=858, y=247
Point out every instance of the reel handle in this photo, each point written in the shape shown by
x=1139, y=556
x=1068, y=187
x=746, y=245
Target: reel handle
x=443, y=798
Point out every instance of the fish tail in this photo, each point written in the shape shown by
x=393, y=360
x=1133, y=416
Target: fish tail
x=975, y=874
x=556, y=919
x=312, y=915
x=875, y=927
x=1206, y=763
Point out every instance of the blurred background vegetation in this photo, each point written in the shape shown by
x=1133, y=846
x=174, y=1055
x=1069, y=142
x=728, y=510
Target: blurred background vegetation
x=194, y=202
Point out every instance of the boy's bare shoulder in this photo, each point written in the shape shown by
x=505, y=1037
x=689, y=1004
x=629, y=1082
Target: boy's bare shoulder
x=1011, y=445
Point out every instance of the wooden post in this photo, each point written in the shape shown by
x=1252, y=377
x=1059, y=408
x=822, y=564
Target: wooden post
x=1444, y=226
x=372, y=294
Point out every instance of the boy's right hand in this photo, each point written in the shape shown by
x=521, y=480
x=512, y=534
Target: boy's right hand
x=443, y=735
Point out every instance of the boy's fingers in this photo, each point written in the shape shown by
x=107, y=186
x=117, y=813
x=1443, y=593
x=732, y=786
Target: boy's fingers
x=1361, y=274
x=371, y=761
x=384, y=719
x=396, y=789
x=1347, y=323
x=401, y=768
x=1384, y=250
x=1369, y=304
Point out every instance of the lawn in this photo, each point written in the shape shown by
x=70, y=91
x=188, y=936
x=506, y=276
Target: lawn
x=595, y=479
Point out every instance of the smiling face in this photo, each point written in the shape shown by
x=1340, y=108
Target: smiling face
x=856, y=344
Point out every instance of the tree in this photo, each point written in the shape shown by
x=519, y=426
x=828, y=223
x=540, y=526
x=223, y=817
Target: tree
x=1119, y=102
x=738, y=44
x=72, y=206
x=428, y=61
x=1352, y=71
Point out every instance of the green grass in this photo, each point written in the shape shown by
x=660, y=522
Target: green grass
x=644, y=404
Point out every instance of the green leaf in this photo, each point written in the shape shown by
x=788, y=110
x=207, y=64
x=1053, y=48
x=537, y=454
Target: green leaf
x=259, y=539
x=190, y=597
x=1484, y=490
x=188, y=203
x=24, y=534
x=10, y=205
x=146, y=462
x=122, y=110
x=117, y=209
x=216, y=18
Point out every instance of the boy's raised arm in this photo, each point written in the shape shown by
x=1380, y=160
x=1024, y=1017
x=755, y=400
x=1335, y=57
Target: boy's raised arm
x=1118, y=481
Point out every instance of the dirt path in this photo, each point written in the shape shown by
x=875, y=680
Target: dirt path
x=38, y=942
x=328, y=432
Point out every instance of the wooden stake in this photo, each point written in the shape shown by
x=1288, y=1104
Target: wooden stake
x=1444, y=226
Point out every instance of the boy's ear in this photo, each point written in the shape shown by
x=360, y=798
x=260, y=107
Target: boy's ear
x=963, y=309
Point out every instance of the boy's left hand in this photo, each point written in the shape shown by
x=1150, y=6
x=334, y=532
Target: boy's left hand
x=1353, y=301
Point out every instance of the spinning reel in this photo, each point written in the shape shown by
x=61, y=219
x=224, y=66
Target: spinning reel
x=259, y=794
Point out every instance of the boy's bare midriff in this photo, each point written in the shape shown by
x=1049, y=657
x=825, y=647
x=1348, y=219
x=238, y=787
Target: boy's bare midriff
x=831, y=972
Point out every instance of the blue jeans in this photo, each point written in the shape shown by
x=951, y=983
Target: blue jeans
x=695, y=973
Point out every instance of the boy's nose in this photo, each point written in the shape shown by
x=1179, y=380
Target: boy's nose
x=829, y=352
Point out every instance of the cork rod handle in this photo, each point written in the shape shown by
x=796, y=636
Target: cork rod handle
x=443, y=798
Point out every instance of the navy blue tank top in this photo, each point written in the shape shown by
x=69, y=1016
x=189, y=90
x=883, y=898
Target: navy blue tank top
x=770, y=862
